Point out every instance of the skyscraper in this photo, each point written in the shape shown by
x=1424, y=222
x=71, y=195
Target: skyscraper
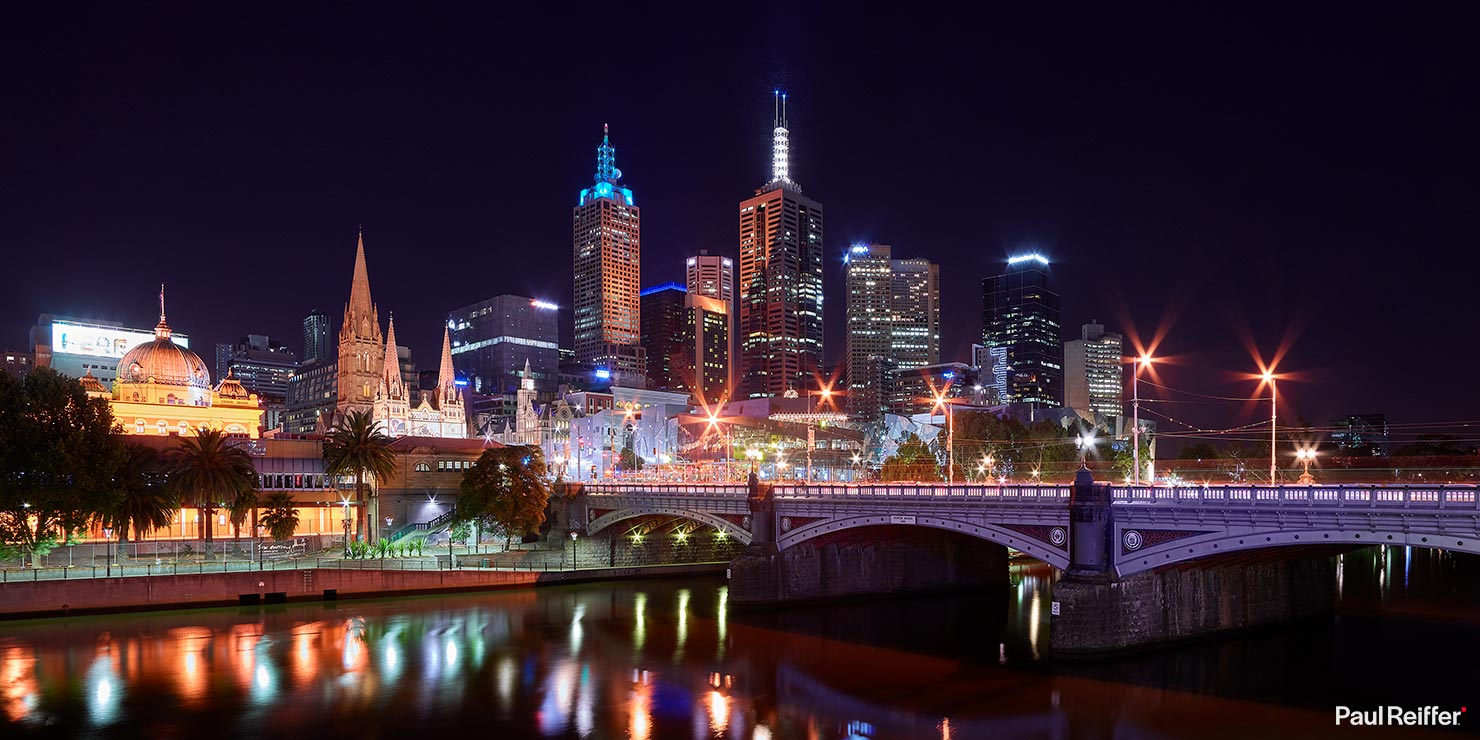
x=893, y=322
x=1093, y=371
x=1020, y=313
x=687, y=341
x=493, y=340
x=606, y=235
x=663, y=319
x=780, y=297
x=713, y=277
x=317, y=337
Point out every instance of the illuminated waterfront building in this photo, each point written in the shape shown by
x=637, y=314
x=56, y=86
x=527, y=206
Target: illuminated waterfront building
x=607, y=240
x=780, y=292
x=1020, y=314
x=163, y=388
x=1093, y=371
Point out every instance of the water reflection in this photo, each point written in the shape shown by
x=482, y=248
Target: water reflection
x=669, y=659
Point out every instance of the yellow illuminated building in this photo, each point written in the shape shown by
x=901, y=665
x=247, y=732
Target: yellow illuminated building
x=163, y=389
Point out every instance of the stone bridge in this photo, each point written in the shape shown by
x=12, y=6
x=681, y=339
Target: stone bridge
x=1204, y=558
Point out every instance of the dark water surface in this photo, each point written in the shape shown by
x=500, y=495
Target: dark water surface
x=671, y=659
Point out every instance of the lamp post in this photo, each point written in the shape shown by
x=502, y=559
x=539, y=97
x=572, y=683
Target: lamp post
x=573, y=536
x=1084, y=442
x=940, y=403
x=1305, y=457
x=1273, y=421
x=108, y=535
x=1140, y=362
x=755, y=455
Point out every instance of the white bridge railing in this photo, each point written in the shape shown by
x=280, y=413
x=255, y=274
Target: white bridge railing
x=1344, y=496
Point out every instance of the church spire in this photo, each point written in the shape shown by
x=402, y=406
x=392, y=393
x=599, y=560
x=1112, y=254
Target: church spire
x=390, y=373
x=446, y=380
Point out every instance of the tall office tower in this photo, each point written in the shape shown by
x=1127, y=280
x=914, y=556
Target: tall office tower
x=494, y=340
x=317, y=337
x=893, y=322
x=262, y=365
x=707, y=340
x=915, y=295
x=714, y=277
x=663, y=319
x=608, y=246
x=1021, y=314
x=868, y=311
x=1092, y=371
x=780, y=292
x=360, y=343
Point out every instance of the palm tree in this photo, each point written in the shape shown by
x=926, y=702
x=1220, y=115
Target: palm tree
x=357, y=446
x=207, y=470
x=146, y=502
x=280, y=517
x=244, y=504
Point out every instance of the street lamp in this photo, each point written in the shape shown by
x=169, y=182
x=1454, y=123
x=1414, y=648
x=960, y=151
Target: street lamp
x=1143, y=361
x=1273, y=422
x=1085, y=442
x=1305, y=457
x=940, y=403
x=108, y=535
x=573, y=536
x=754, y=454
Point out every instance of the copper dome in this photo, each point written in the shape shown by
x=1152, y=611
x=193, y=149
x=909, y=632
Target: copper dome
x=164, y=362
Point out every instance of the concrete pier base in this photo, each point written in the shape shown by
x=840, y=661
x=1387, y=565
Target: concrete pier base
x=1197, y=599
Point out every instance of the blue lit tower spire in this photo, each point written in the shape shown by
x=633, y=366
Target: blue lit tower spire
x=606, y=159
x=780, y=148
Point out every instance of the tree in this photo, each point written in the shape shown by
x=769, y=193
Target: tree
x=506, y=486
x=59, y=453
x=145, y=501
x=358, y=447
x=208, y=470
x=912, y=462
x=630, y=460
x=280, y=515
x=244, y=505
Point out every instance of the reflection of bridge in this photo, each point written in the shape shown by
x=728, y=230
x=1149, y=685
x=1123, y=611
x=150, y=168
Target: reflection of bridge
x=1250, y=554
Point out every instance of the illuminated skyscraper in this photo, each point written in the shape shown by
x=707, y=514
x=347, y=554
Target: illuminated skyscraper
x=893, y=322
x=607, y=240
x=318, y=336
x=1093, y=370
x=1021, y=314
x=780, y=297
x=713, y=277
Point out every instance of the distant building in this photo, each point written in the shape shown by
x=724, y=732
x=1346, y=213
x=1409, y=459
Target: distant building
x=663, y=329
x=607, y=240
x=1093, y=370
x=780, y=291
x=991, y=372
x=262, y=365
x=493, y=339
x=318, y=338
x=915, y=389
x=19, y=364
x=713, y=277
x=1361, y=435
x=687, y=341
x=892, y=312
x=75, y=347
x=1021, y=314
x=312, y=391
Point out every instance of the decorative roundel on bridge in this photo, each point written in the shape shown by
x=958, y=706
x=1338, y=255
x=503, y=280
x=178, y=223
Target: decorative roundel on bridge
x=1057, y=536
x=745, y=522
x=1133, y=540
x=786, y=524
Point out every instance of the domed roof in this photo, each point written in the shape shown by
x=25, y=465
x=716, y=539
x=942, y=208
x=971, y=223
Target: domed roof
x=164, y=362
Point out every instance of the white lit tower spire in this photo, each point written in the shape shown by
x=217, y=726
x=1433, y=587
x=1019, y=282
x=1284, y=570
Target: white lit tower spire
x=780, y=148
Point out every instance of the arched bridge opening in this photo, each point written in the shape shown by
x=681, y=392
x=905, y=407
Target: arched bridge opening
x=885, y=558
x=647, y=538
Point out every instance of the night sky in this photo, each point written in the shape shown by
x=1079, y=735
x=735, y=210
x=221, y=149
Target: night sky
x=1237, y=175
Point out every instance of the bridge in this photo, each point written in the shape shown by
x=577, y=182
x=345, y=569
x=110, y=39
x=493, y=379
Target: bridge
x=1205, y=557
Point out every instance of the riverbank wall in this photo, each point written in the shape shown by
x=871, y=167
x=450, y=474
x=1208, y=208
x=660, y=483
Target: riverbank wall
x=50, y=598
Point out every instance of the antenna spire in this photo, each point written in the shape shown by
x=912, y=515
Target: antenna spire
x=780, y=146
x=161, y=303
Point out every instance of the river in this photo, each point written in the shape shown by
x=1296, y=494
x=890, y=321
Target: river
x=672, y=659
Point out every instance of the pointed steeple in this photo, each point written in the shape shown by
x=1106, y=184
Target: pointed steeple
x=360, y=319
x=526, y=381
x=446, y=379
x=161, y=330
x=390, y=373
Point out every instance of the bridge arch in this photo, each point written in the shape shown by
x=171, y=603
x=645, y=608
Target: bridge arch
x=1131, y=561
x=1048, y=552
x=720, y=524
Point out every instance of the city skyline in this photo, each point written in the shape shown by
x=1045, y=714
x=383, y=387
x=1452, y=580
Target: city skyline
x=1118, y=226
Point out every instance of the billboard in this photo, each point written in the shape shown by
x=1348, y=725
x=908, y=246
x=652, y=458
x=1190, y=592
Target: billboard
x=99, y=341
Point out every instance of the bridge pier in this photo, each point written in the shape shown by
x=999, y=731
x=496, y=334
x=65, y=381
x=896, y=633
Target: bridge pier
x=860, y=561
x=1095, y=611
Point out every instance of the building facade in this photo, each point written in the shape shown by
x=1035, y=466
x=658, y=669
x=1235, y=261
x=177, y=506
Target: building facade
x=1361, y=435
x=607, y=241
x=892, y=312
x=1021, y=315
x=1093, y=371
x=493, y=340
x=318, y=338
x=915, y=301
x=313, y=392
x=75, y=347
x=663, y=329
x=710, y=276
x=780, y=291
